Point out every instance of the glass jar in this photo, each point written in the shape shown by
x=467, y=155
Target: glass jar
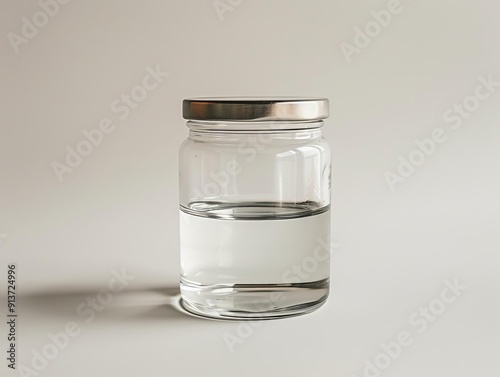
x=255, y=178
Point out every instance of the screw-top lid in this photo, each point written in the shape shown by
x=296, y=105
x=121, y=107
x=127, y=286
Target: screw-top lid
x=256, y=109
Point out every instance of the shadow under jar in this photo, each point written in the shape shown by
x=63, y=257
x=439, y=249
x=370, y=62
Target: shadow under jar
x=255, y=178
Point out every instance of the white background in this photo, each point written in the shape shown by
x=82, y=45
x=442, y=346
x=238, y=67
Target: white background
x=118, y=209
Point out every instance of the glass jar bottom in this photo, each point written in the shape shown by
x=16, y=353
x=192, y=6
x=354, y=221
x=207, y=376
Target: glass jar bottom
x=253, y=301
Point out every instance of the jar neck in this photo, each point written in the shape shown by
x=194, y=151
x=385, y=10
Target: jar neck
x=299, y=136
x=253, y=126
x=234, y=131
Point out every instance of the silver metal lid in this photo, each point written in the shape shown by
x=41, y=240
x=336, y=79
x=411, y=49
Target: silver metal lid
x=256, y=109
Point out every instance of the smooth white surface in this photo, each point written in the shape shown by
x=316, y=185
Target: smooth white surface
x=119, y=208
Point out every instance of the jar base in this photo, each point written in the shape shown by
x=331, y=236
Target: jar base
x=253, y=301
